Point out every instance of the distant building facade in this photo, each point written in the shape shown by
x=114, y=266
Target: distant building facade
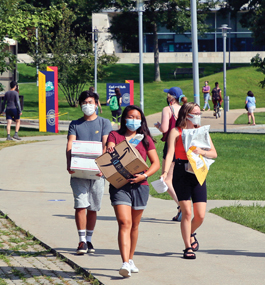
x=239, y=39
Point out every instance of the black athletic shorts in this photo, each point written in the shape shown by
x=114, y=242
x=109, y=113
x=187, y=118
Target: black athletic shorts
x=186, y=184
x=12, y=114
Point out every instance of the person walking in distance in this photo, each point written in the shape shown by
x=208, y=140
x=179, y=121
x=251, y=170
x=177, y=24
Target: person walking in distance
x=87, y=193
x=206, y=94
x=13, y=110
x=217, y=97
x=251, y=106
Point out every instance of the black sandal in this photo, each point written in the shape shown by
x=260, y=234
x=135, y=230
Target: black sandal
x=178, y=217
x=195, y=242
x=189, y=254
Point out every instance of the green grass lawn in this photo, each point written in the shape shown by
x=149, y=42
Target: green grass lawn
x=239, y=81
x=249, y=216
x=27, y=132
x=243, y=119
x=237, y=172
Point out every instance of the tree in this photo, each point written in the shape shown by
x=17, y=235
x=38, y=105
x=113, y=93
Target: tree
x=83, y=9
x=254, y=16
x=173, y=14
x=126, y=34
x=17, y=20
x=257, y=61
x=73, y=56
x=7, y=59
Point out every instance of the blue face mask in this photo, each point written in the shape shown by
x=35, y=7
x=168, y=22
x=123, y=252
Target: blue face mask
x=133, y=124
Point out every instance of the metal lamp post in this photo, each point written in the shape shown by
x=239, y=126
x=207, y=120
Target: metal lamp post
x=224, y=29
x=96, y=62
x=195, y=51
x=140, y=20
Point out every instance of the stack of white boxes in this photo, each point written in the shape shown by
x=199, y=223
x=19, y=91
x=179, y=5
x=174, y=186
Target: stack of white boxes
x=83, y=159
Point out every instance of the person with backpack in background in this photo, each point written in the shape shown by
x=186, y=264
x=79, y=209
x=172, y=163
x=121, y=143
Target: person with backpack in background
x=217, y=97
x=115, y=106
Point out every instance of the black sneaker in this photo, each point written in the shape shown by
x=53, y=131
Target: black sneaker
x=16, y=137
x=9, y=139
x=82, y=248
x=90, y=247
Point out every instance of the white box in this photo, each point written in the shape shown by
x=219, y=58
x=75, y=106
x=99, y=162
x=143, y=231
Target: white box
x=86, y=148
x=84, y=167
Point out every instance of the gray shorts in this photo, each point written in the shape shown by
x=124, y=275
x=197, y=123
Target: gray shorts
x=133, y=195
x=87, y=193
x=251, y=109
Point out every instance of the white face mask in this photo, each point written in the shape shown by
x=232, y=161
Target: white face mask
x=195, y=119
x=88, y=109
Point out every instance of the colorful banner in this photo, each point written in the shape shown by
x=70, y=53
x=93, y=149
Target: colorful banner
x=131, y=82
x=48, y=100
x=56, y=109
x=126, y=90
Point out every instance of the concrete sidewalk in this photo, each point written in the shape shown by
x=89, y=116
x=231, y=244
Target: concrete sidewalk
x=217, y=125
x=35, y=193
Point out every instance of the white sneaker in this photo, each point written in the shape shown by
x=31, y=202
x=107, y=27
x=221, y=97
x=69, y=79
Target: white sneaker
x=134, y=269
x=125, y=270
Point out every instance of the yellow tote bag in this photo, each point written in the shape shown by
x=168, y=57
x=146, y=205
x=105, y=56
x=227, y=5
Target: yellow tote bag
x=197, y=164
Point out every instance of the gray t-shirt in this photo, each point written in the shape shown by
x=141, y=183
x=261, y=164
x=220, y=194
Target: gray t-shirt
x=90, y=130
x=12, y=99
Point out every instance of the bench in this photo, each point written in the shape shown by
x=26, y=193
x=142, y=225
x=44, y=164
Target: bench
x=186, y=71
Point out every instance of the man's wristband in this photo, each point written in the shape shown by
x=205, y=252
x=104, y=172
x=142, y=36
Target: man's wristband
x=146, y=176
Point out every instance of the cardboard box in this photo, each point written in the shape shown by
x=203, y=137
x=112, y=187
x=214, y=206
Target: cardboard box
x=84, y=167
x=86, y=148
x=83, y=156
x=122, y=164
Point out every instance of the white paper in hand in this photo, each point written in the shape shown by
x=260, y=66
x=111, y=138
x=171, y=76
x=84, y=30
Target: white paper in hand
x=136, y=139
x=159, y=185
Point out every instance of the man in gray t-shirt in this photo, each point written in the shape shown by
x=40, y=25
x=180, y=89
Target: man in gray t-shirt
x=87, y=193
x=12, y=110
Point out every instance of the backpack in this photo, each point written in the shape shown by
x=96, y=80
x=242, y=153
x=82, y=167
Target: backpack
x=216, y=94
x=113, y=103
